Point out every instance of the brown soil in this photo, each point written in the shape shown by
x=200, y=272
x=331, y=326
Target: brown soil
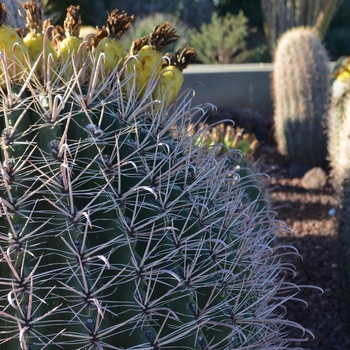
x=314, y=234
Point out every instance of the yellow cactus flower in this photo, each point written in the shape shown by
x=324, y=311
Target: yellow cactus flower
x=117, y=24
x=148, y=54
x=171, y=77
x=70, y=45
x=12, y=49
x=344, y=76
x=34, y=40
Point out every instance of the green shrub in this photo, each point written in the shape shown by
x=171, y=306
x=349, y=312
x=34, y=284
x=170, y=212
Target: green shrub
x=220, y=40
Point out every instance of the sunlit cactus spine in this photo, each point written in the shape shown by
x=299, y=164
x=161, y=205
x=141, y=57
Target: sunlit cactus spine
x=301, y=94
x=118, y=233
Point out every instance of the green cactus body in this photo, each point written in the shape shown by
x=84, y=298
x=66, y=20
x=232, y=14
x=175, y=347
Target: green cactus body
x=129, y=237
x=301, y=93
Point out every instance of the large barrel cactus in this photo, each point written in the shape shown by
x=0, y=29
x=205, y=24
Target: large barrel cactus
x=117, y=232
x=301, y=93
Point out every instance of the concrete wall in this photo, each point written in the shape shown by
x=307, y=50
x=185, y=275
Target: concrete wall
x=244, y=85
x=232, y=86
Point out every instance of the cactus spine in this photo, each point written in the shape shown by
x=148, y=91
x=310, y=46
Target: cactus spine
x=301, y=94
x=117, y=233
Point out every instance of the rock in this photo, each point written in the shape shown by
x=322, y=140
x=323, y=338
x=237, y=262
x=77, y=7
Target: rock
x=314, y=179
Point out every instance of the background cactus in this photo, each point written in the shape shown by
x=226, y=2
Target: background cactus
x=339, y=149
x=301, y=93
x=281, y=16
x=118, y=233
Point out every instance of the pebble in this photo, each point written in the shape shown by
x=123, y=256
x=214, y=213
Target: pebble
x=314, y=179
x=331, y=212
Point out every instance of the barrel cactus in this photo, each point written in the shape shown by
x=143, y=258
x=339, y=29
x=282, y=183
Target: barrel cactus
x=301, y=93
x=118, y=233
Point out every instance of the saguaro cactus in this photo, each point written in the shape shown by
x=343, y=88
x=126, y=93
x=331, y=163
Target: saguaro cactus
x=301, y=94
x=283, y=15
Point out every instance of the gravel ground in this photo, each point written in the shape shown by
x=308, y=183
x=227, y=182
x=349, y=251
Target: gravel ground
x=306, y=212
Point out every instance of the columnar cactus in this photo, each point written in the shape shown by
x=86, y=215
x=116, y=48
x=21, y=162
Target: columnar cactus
x=301, y=93
x=280, y=16
x=118, y=233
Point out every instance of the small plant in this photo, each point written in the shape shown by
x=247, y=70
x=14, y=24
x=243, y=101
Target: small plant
x=224, y=138
x=221, y=39
x=301, y=93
